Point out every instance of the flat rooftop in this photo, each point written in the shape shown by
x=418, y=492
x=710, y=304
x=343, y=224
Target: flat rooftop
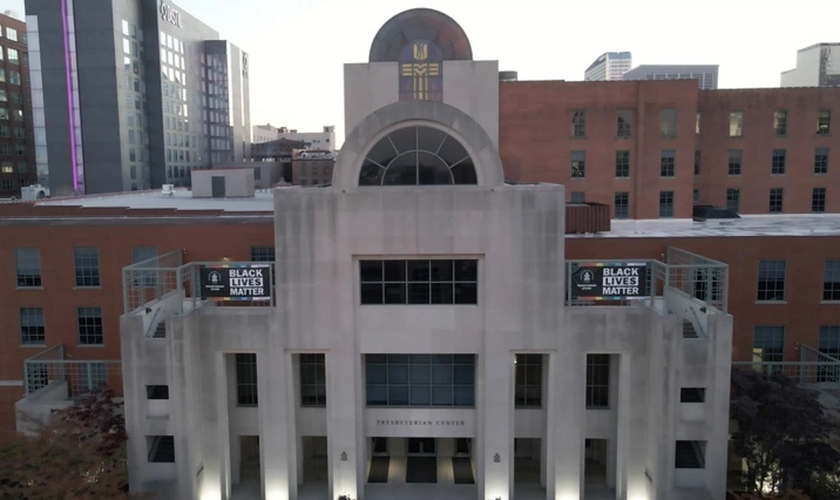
x=748, y=225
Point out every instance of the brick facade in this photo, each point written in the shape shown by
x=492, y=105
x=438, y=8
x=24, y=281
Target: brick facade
x=17, y=149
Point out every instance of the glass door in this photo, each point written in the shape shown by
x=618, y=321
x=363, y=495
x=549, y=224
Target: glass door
x=421, y=446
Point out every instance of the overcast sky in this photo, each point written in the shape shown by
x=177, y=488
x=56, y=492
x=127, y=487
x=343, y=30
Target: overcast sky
x=297, y=47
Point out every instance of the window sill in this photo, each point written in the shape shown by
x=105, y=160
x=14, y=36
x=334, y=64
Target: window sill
x=90, y=345
x=314, y=406
x=533, y=408
x=39, y=346
x=29, y=288
x=771, y=302
x=830, y=302
x=87, y=288
x=247, y=406
x=598, y=408
x=733, y=175
x=820, y=173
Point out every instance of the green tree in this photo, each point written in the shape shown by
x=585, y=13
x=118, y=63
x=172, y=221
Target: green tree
x=784, y=434
x=79, y=453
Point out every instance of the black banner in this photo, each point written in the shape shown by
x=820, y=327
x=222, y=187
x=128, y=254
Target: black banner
x=609, y=281
x=236, y=282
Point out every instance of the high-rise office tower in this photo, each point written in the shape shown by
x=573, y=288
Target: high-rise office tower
x=132, y=94
x=609, y=66
x=816, y=66
x=705, y=74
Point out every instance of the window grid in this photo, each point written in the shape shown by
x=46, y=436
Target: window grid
x=578, y=164
x=771, y=280
x=821, y=161
x=829, y=342
x=313, y=380
x=442, y=380
x=32, y=327
x=768, y=343
x=28, y=265
x=246, y=379
x=597, y=381
x=86, y=262
x=624, y=124
x=696, y=162
x=415, y=282
x=778, y=162
x=262, y=254
x=666, y=163
x=780, y=123
x=528, y=381
x=622, y=205
x=90, y=326
x=141, y=254
x=818, y=200
x=824, y=122
x=578, y=197
x=777, y=198
x=666, y=203
x=736, y=124
x=733, y=199
x=831, y=280
x=735, y=161
x=622, y=163
x=579, y=124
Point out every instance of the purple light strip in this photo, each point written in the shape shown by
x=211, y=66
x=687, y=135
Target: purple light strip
x=70, y=112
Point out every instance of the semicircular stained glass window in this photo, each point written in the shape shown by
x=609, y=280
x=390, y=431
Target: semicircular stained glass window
x=415, y=156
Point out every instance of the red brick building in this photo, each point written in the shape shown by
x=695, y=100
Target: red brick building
x=654, y=148
x=17, y=150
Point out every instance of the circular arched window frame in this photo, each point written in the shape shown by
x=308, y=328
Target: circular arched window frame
x=417, y=156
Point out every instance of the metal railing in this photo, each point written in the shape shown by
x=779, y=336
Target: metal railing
x=81, y=376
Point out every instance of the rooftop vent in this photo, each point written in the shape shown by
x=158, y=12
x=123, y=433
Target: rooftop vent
x=508, y=76
x=168, y=190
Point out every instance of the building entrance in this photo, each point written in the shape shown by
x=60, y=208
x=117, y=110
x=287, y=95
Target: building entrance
x=421, y=466
x=420, y=447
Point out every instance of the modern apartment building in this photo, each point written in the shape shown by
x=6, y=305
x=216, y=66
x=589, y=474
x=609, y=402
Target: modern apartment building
x=17, y=153
x=706, y=75
x=816, y=66
x=609, y=66
x=132, y=94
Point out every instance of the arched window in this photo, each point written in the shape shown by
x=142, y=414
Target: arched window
x=415, y=156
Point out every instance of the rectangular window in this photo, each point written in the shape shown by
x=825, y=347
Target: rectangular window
x=86, y=262
x=38, y=375
x=579, y=124
x=597, y=381
x=777, y=198
x=824, y=122
x=818, y=200
x=142, y=254
x=94, y=376
x=736, y=124
x=829, y=342
x=768, y=343
x=831, y=280
x=666, y=162
x=697, y=123
x=90, y=326
x=28, y=265
x=154, y=392
x=161, y=449
x=668, y=123
x=780, y=123
x=420, y=380
x=771, y=280
x=733, y=199
x=32, y=328
x=578, y=164
x=262, y=254
x=528, y=393
x=696, y=162
x=313, y=380
x=779, y=161
x=622, y=205
x=666, y=203
x=12, y=56
x=624, y=124
x=821, y=161
x=690, y=455
x=622, y=163
x=14, y=77
x=246, y=379
x=692, y=395
x=736, y=157
x=578, y=197
x=438, y=281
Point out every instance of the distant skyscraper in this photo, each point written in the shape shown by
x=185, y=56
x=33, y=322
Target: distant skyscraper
x=816, y=66
x=706, y=74
x=608, y=66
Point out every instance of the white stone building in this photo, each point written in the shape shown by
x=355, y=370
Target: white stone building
x=421, y=337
